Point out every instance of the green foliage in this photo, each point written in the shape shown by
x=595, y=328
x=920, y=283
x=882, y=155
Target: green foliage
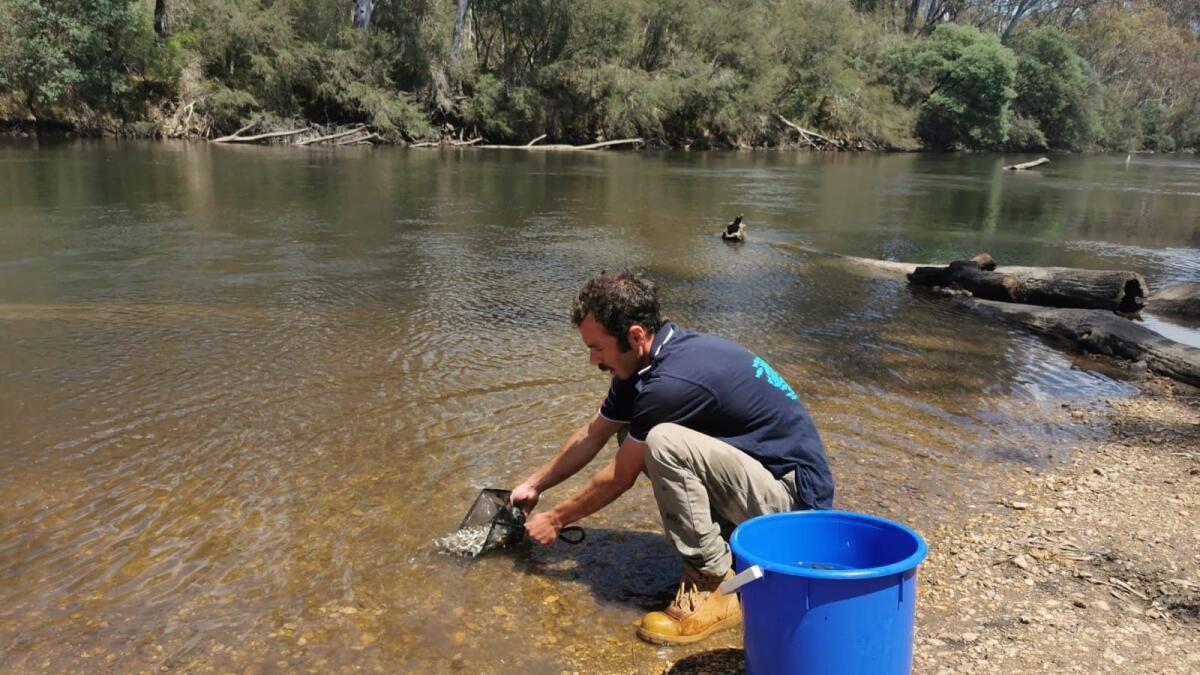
x=227, y=108
x=679, y=72
x=35, y=47
x=1148, y=65
x=1025, y=134
x=1054, y=91
x=962, y=82
x=293, y=60
x=58, y=53
x=693, y=73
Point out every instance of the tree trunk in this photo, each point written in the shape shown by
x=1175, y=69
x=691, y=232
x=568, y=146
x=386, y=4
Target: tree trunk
x=1101, y=332
x=160, y=17
x=1047, y=286
x=362, y=13
x=1182, y=299
x=1093, y=330
x=910, y=17
x=460, y=21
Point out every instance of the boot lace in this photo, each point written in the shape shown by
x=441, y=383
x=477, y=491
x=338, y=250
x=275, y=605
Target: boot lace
x=693, y=590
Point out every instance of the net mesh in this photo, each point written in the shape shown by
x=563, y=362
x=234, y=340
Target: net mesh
x=491, y=523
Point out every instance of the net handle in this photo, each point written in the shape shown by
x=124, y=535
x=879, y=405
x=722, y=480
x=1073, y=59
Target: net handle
x=572, y=530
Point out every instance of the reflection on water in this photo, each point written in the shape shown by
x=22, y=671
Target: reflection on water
x=243, y=389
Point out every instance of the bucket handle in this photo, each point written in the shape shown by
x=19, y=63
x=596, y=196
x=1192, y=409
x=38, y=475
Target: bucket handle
x=751, y=573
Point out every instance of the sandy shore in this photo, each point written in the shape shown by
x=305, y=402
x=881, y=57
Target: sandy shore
x=1091, y=566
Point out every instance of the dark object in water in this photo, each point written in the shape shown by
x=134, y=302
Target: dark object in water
x=494, y=523
x=735, y=231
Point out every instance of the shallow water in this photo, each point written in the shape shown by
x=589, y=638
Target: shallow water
x=243, y=390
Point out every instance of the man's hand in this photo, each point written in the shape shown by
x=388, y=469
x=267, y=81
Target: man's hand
x=544, y=528
x=525, y=497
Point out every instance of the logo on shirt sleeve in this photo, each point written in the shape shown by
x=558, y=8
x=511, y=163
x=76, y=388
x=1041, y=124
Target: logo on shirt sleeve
x=761, y=368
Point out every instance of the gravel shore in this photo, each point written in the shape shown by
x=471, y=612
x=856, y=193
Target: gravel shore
x=1091, y=566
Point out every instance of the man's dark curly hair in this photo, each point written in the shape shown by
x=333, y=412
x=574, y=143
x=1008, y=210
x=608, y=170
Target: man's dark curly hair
x=618, y=302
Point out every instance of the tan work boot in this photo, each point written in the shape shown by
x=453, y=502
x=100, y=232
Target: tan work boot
x=698, y=611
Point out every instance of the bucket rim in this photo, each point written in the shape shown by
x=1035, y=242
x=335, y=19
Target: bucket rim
x=908, y=563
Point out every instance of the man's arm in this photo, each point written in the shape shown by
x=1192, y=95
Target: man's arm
x=611, y=482
x=579, y=450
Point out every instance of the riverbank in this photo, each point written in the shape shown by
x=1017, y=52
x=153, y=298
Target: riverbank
x=1086, y=567
x=304, y=133
x=1091, y=567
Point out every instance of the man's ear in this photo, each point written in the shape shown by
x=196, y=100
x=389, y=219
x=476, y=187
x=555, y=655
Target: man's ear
x=637, y=334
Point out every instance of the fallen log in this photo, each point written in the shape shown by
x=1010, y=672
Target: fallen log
x=806, y=134
x=1027, y=165
x=259, y=137
x=1181, y=299
x=870, y=266
x=1047, y=286
x=1101, y=332
x=1092, y=330
x=563, y=146
x=332, y=137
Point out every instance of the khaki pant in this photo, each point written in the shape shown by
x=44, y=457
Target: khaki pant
x=704, y=487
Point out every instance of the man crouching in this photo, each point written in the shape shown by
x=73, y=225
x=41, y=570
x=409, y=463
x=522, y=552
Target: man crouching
x=720, y=434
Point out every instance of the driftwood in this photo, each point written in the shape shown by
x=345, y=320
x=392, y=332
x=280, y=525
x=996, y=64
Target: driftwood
x=260, y=137
x=476, y=142
x=1027, y=165
x=332, y=137
x=870, y=266
x=1092, y=330
x=359, y=140
x=808, y=135
x=1101, y=332
x=1047, y=286
x=1181, y=299
x=561, y=146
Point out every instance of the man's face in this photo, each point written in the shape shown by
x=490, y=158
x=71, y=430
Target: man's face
x=604, y=352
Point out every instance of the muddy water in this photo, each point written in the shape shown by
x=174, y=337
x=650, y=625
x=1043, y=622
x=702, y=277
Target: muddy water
x=242, y=390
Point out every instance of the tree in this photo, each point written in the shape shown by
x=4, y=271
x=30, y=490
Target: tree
x=1054, y=89
x=160, y=17
x=59, y=52
x=1149, y=69
x=961, y=80
x=36, y=50
x=362, y=13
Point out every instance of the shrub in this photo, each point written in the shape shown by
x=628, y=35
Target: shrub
x=961, y=80
x=1054, y=89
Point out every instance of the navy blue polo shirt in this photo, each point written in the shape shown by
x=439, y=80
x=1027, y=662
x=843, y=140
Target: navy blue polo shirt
x=719, y=388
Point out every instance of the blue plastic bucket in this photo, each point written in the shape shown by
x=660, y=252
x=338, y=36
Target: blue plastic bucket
x=826, y=592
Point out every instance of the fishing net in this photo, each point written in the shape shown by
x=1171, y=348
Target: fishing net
x=493, y=523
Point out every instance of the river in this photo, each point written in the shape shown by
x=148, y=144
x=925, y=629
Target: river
x=243, y=389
